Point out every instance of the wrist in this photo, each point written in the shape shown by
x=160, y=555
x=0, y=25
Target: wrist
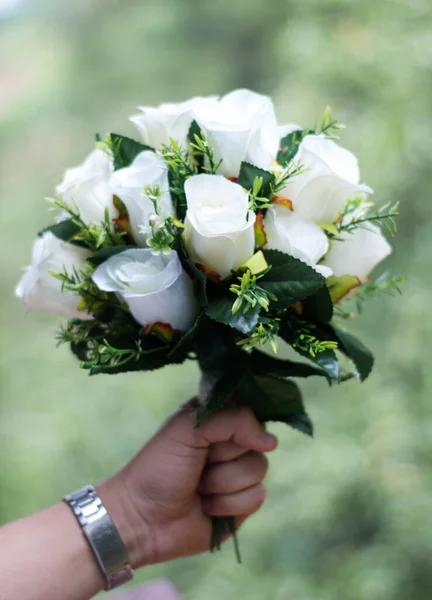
x=133, y=529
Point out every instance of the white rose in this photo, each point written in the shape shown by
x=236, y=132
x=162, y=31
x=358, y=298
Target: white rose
x=288, y=233
x=358, y=253
x=241, y=126
x=129, y=184
x=39, y=290
x=331, y=177
x=86, y=188
x=156, y=288
x=157, y=124
x=219, y=227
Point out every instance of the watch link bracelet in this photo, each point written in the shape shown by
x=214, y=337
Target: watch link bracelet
x=102, y=535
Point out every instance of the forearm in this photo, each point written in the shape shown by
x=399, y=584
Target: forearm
x=46, y=557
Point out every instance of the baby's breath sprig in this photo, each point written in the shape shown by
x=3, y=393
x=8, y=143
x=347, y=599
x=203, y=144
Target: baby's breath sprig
x=153, y=193
x=265, y=333
x=163, y=235
x=78, y=331
x=101, y=355
x=203, y=153
x=307, y=342
x=94, y=235
x=163, y=230
x=249, y=293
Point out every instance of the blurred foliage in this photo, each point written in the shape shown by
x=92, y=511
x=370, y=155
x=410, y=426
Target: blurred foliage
x=348, y=514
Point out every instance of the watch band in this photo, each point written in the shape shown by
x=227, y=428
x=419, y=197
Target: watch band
x=102, y=535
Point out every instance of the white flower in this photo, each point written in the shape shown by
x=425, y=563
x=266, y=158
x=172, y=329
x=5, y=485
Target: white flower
x=358, y=253
x=219, y=227
x=288, y=233
x=155, y=288
x=86, y=188
x=129, y=184
x=241, y=126
x=330, y=179
x=39, y=290
x=157, y=124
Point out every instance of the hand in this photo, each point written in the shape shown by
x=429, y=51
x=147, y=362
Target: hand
x=163, y=499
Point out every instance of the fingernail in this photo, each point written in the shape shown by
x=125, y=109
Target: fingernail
x=269, y=440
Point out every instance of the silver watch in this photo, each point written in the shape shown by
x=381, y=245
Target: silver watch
x=102, y=535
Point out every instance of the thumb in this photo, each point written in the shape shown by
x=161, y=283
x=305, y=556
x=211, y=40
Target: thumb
x=238, y=425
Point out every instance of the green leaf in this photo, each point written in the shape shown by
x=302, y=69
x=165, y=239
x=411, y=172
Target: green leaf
x=186, y=343
x=274, y=399
x=224, y=385
x=269, y=365
x=214, y=345
x=194, y=130
x=125, y=150
x=290, y=279
x=319, y=306
x=361, y=356
x=328, y=361
x=221, y=310
x=247, y=176
x=222, y=362
x=65, y=230
x=103, y=254
x=289, y=146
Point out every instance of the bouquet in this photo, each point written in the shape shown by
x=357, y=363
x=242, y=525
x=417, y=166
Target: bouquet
x=217, y=234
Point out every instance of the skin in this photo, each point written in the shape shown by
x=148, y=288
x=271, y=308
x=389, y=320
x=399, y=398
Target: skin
x=161, y=503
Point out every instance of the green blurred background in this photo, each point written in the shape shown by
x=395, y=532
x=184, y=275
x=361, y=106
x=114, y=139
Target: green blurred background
x=348, y=514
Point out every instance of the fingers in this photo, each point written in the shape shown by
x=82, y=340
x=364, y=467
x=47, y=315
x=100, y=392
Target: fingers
x=245, y=502
x=235, y=487
x=238, y=425
x=224, y=451
x=235, y=475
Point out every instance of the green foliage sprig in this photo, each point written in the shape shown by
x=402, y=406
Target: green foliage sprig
x=103, y=355
x=258, y=203
x=305, y=341
x=354, y=217
x=249, y=293
x=163, y=235
x=181, y=166
x=292, y=169
x=163, y=230
x=94, y=236
x=329, y=126
x=81, y=283
x=384, y=284
x=265, y=333
x=203, y=153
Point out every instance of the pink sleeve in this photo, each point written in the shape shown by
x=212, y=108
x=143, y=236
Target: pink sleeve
x=159, y=590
